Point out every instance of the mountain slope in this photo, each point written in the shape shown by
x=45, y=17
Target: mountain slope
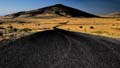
x=60, y=49
x=114, y=14
x=58, y=9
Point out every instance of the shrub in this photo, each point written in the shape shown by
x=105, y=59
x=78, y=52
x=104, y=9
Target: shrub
x=118, y=19
x=26, y=30
x=38, y=24
x=81, y=26
x=15, y=29
x=91, y=27
x=10, y=27
x=1, y=33
x=20, y=22
x=1, y=23
x=2, y=28
x=113, y=24
x=46, y=28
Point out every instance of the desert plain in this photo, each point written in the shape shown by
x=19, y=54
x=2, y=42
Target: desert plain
x=108, y=27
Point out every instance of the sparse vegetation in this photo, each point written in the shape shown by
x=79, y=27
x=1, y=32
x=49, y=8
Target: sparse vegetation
x=81, y=26
x=10, y=26
x=72, y=24
x=91, y=27
x=113, y=24
x=2, y=28
x=100, y=32
x=15, y=29
x=38, y=24
x=1, y=22
x=1, y=33
x=118, y=19
x=22, y=22
x=25, y=30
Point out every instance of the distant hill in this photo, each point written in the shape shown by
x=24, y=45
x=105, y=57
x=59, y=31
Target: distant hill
x=54, y=10
x=114, y=14
x=60, y=49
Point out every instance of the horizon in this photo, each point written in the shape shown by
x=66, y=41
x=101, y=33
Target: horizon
x=93, y=7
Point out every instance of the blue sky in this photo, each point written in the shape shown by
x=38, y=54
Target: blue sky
x=91, y=6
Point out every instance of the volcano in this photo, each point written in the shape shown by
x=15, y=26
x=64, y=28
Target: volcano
x=55, y=10
x=60, y=49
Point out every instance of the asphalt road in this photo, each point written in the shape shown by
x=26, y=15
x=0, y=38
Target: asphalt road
x=60, y=49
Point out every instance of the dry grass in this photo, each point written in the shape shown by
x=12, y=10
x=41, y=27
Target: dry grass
x=109, y=27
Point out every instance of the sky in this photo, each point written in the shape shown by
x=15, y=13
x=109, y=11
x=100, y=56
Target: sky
x=91, y=6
